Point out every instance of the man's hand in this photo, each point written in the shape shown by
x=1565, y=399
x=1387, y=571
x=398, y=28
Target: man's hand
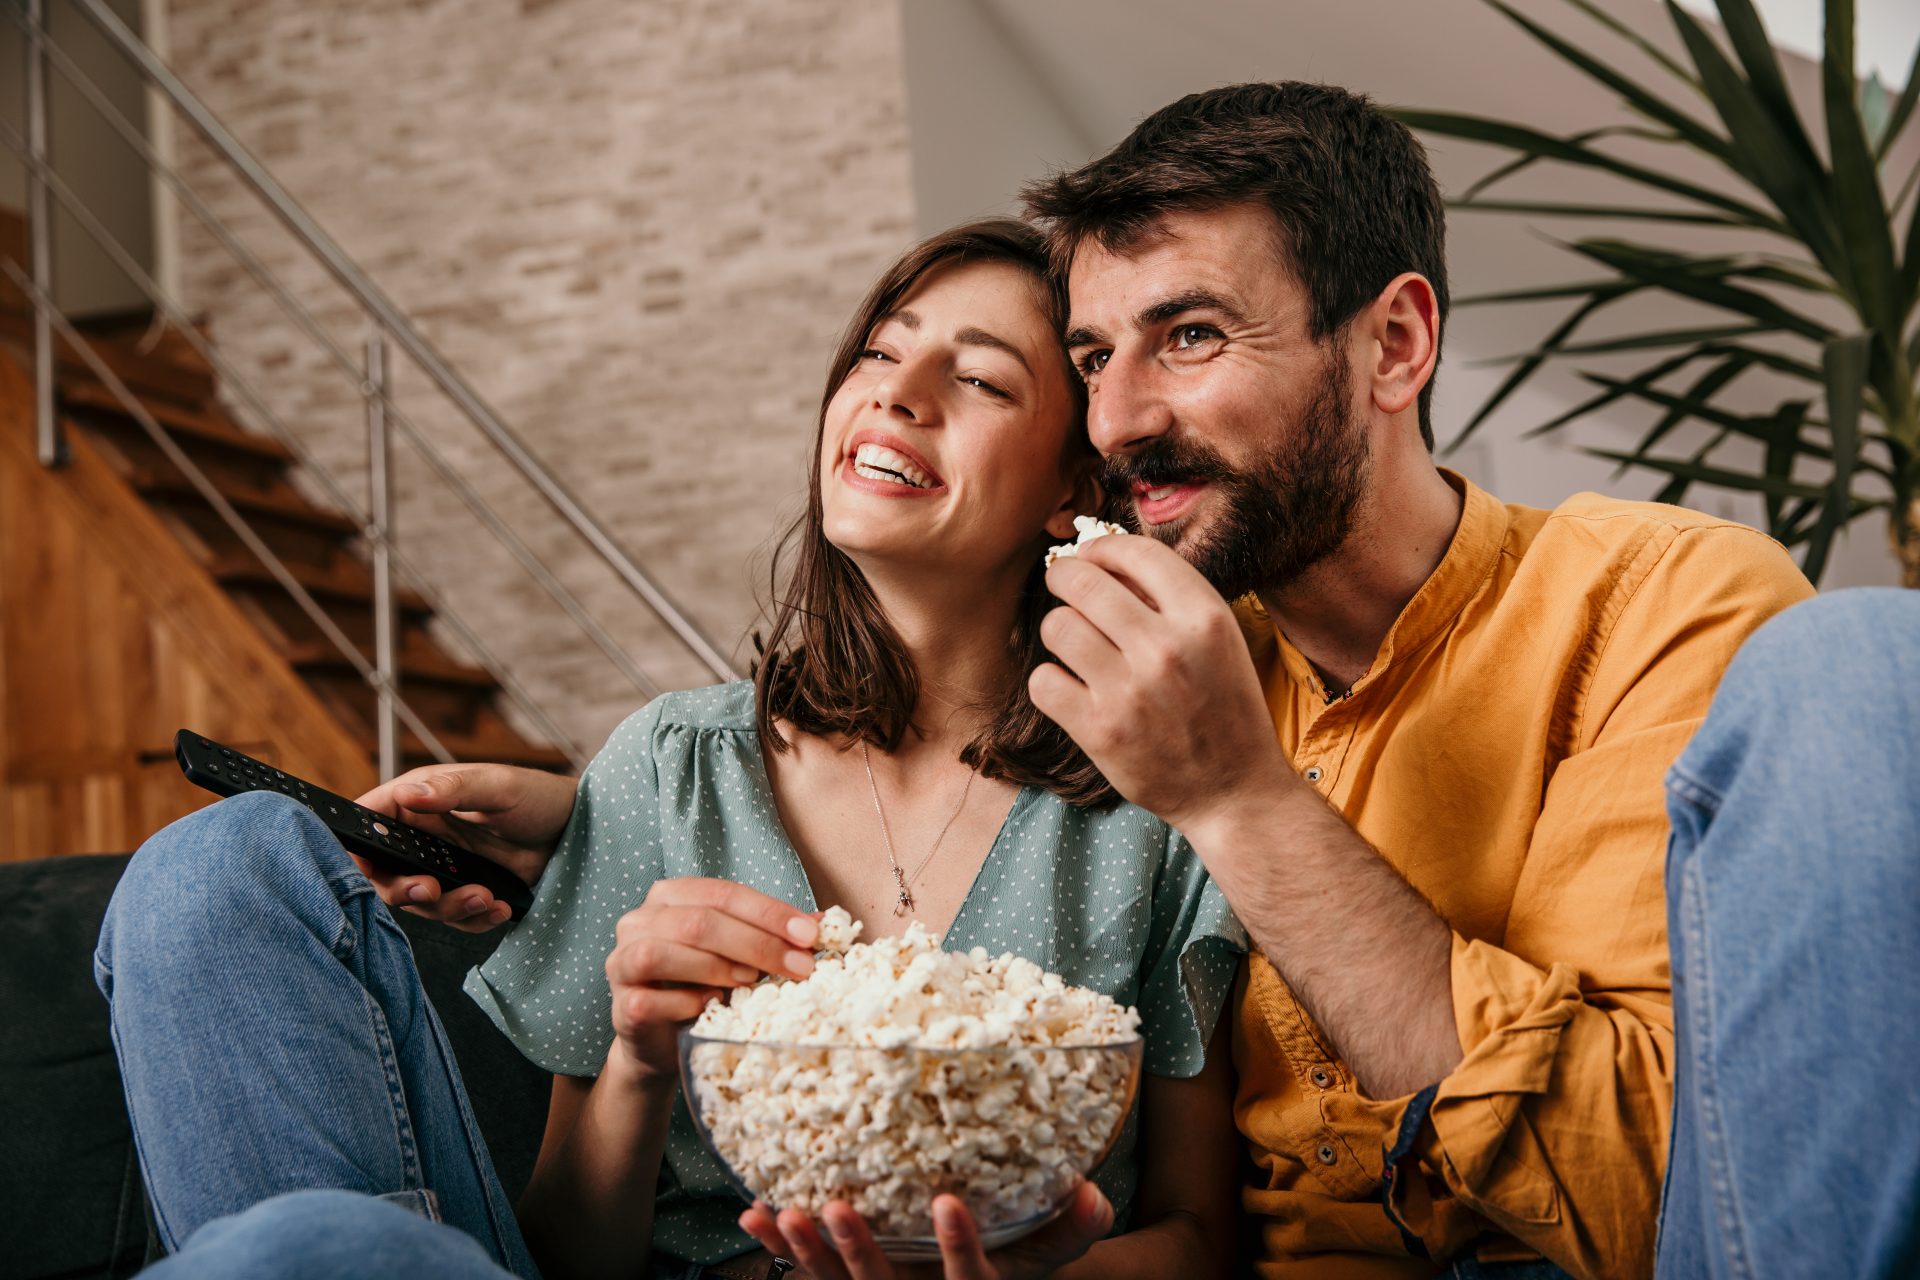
x=1159, y=690
x=506, y=814
x=853, y=1254
x=1156, y=684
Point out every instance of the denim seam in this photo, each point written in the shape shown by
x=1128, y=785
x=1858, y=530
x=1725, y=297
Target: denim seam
x=168, y=1238
x=411, y=1174
x=1719, y=1168
x=1693, y=791
x=477, y=1143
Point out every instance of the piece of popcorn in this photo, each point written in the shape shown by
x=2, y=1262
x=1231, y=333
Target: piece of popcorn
x=846, y=1115
x=1088, y=528
x=838, y=930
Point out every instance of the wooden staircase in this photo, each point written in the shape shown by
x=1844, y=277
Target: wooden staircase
x=125, y=476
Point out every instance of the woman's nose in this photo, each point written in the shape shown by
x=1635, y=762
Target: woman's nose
x=905, y=393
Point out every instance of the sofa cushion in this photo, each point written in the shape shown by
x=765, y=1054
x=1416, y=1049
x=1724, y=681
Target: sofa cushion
x=71, y=1204
x=68, y=1178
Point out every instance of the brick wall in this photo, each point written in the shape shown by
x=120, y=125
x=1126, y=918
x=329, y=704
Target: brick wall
x=636, y=227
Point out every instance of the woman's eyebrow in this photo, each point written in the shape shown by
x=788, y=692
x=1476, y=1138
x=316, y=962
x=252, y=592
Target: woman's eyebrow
x=975, y=337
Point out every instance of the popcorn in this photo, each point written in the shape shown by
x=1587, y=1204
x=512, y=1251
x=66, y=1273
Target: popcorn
x=838, y=930
x=897, y=1071
x=1088, y=528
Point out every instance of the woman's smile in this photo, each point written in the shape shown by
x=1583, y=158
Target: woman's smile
x=882, y=463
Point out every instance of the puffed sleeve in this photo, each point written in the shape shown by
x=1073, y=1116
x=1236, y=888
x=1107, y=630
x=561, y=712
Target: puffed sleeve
x=545, y=986
x=1194, y=948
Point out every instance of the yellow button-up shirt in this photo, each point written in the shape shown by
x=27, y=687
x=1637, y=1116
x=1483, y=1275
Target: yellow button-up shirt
x=1505, y=752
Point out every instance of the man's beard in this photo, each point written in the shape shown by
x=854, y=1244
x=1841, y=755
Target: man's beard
x=1287, y=511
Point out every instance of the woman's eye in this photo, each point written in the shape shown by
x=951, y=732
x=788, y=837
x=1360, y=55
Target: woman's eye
x=975, y=381
x=1189, y=336
x=874, y=353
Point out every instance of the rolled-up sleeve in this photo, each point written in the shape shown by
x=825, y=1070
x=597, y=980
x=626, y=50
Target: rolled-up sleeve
x=1554, y=1126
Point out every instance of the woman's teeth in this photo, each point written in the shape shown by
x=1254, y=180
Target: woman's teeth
x=877, y=462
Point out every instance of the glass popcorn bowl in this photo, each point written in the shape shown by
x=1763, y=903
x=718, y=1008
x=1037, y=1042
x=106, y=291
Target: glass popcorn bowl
x=1011, y=1131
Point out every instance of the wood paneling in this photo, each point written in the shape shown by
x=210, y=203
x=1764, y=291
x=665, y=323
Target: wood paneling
x=111, y=638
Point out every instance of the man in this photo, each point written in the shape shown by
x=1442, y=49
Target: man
x=1433, y=793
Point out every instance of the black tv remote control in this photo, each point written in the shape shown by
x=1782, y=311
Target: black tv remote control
x=226, y=772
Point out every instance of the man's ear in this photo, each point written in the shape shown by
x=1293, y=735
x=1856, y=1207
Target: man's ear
x=1083, y=498
x=1405, y=342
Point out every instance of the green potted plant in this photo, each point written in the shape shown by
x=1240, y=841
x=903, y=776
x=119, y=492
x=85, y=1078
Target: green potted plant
x=1823, y=230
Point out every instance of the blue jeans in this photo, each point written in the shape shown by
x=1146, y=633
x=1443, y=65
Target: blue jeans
x=273, y=1037
x=326, y=1235
x=1793, y=908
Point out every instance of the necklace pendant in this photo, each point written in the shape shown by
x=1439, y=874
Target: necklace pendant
x=906, y=896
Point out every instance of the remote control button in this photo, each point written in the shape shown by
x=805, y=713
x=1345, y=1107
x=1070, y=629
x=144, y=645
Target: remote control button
x=381, y=827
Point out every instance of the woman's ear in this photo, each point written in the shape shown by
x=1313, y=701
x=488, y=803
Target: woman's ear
x=1083, y=498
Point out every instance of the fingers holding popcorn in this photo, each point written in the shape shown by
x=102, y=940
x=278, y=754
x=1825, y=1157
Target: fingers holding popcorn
x=688, y=943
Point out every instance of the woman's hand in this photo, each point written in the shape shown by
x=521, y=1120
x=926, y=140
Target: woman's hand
x=690, y=941
x=853, y=1254
x=506, y=814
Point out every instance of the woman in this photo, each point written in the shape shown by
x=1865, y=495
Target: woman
x=886, y=758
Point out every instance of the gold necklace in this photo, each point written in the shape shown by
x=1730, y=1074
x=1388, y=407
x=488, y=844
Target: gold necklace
x=900, y=878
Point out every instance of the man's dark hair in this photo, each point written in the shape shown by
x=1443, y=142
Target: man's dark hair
x=1348, y=185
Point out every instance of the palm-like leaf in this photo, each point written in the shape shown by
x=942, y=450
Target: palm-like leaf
x=1826, y=205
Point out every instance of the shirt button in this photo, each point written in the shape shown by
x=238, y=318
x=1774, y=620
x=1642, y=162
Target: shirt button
x=1321, y=1077
x=1325, y=1154
x=1313, y=773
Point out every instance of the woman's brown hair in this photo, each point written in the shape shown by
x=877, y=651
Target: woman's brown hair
x=831, y=663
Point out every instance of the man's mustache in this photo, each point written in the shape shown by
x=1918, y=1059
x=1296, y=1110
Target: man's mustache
x=1164, y=461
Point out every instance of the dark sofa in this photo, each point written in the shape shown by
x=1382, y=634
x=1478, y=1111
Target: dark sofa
x=71, y=1204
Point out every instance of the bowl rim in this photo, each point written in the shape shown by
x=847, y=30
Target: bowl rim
x=691, y=1036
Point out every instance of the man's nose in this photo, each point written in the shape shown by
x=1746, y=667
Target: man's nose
x=1125, y=409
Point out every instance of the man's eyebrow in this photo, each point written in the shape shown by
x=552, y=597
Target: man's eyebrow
x=974, y=337
x=1158, y=314
x=1180, y=303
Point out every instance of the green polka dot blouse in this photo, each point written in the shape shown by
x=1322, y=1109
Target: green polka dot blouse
x=1114, y=900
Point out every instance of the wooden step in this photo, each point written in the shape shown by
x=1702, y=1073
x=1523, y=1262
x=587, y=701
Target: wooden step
x=282, y=505
x=208, y=428
x=415, y=665
x=352, y=584
x=345, y=593
x=293, y=528
x=148, y=374
x=445, y=707
x=486, y=749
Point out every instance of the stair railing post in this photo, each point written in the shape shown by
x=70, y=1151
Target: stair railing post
x=50, y=444
x=379, y=530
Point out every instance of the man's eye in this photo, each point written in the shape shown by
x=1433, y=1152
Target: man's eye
x=1092, y=362
x=1189, y=336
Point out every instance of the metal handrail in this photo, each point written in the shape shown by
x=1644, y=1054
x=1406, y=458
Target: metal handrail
x=233, y=376
x=311, y=326
x=43, y=306
x=396, y=325
x=389, y=322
